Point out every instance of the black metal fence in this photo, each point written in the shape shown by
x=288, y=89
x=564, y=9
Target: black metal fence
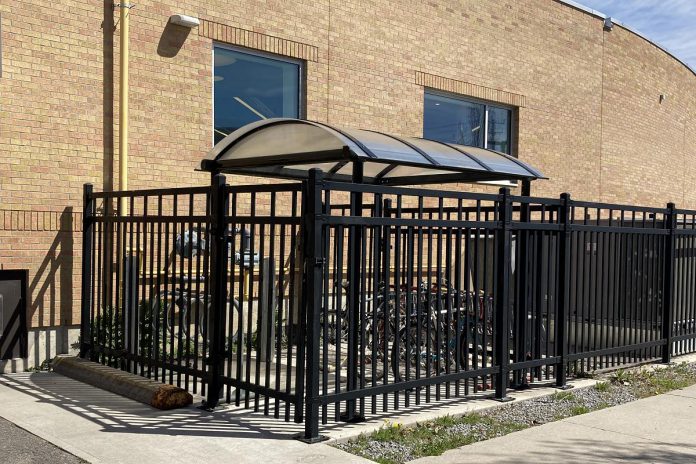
x=328, y=301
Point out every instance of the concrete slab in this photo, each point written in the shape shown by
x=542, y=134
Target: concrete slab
x=658, y=429
x=688, y=392
x=665, y=418
x=101, y=427
x=566, y=442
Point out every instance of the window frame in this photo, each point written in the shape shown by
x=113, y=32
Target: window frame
x=301, y=77
x=486, y=105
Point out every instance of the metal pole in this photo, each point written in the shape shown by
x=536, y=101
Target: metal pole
x=87, y=245
x=315, y=260
x=502, y=297
x=526, y=188
x=563, y=291
x=218, y=277
x=668, y=289
x=123, y=100
x=354, y=294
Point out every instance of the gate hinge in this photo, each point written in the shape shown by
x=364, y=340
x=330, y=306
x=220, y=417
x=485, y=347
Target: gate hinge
x=319, y=261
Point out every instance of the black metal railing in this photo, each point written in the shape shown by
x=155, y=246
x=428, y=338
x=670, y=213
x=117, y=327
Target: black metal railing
x=324, y=301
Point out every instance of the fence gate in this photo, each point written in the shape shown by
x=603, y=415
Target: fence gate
x=201, y=288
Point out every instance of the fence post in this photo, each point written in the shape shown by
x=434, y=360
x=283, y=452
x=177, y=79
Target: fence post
x=314, y=258
x=217, y=282
x=87, y=246
x=668, y=284
x=563, y=291
x=355, y=260
x=522, y=306
x=502, y=297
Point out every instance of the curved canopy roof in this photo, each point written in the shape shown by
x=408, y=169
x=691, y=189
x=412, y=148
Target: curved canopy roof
x=289, y=148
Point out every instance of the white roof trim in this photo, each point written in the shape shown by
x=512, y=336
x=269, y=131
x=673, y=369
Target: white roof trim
x=601, y=15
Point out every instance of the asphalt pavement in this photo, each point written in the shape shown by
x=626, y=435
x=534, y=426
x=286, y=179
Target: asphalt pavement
x=17, y=446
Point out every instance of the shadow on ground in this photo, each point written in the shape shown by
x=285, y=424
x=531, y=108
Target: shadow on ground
x=117, y=414
x=121, y=415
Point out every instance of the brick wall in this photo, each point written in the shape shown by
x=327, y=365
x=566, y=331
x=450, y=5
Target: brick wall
x=589, y=111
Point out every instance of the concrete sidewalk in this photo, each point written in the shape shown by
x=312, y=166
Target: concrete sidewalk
x=661, y=429
x=101, y=427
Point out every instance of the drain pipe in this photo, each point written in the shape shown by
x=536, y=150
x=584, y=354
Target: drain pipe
x=123, y=101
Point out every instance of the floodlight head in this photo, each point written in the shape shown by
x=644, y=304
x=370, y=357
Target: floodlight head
x=185, y=21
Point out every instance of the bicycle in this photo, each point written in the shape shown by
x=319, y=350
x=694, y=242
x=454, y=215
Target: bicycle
x=336, y=327
x=441, y=322
x=184, y=308
x=408, y=341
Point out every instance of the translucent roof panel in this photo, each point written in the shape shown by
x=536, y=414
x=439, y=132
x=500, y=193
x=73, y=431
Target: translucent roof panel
x=446, y=155
x=385, y=147
x=496, y=161
x=289, y=148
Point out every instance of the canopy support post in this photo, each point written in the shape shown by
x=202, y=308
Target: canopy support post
x=355, y=308
x=526, y=188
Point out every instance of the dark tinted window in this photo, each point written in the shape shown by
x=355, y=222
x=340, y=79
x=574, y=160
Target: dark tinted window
x=249, y=87
x=455, y=120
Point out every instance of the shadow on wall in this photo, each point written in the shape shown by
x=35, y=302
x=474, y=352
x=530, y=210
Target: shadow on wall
x=172, y=39
x=50, y=294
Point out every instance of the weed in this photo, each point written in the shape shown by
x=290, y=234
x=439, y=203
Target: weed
x=602, y=386
x=621, y=376
x=43, y=367
x=563, y=396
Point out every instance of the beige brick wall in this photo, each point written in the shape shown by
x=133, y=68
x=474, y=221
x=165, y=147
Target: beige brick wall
x=589, y=116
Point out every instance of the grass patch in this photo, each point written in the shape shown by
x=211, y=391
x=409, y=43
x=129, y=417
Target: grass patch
x=431, y=438
x=602, y=386
x=563, y=396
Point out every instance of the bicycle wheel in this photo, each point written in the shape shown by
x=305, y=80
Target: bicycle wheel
x=172, y=310
x=333, y=332
x=413, y=352
x=470, y=343
x=237, y=322
x=153, y=314
x=378, y=339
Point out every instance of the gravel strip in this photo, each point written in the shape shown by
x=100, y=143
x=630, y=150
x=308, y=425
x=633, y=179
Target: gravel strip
x=550, y=408
x=389, y=450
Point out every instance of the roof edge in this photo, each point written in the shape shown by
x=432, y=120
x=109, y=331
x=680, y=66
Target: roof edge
x=599, y=14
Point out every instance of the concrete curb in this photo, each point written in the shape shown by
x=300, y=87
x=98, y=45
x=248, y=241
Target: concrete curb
x=150, y=392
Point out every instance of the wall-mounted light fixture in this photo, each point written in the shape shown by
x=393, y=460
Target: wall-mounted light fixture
x=663, y=97
x=608, y=24
x=185, y=21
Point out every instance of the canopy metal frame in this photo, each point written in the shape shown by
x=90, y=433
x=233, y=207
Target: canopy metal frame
x=440, y=163
x=444, y=163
